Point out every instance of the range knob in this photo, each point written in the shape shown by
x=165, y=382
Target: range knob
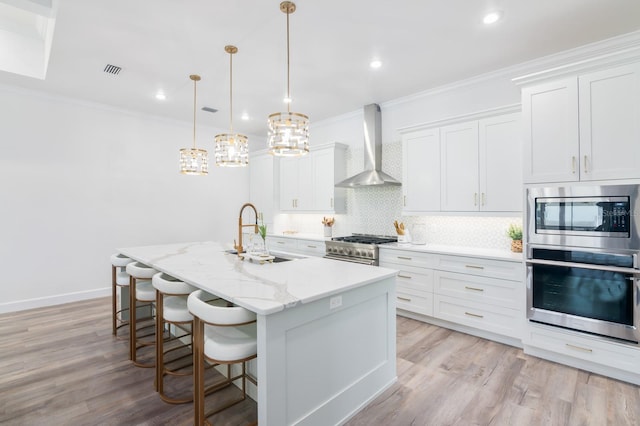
x=347, y=252
x=357, y=253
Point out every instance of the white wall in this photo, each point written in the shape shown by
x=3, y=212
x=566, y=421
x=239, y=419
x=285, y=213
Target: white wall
x=79, y=180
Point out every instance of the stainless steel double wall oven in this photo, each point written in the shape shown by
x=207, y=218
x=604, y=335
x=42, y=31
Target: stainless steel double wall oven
x=582, y=253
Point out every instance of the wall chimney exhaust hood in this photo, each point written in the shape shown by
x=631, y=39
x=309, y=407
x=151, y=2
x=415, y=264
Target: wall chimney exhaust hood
x=373, y=174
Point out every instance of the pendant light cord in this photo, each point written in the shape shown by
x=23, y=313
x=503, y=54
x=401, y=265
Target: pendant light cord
x=194, y=113
x=231, y=92
x=288, y=85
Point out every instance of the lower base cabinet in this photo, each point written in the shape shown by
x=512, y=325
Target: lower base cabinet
x=296, y=245
x=460, y=291
x=604, y=356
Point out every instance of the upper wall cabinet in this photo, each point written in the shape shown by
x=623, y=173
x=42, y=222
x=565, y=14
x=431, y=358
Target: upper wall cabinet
x=469, y=166
x=261, y=192
x=307, y=183
x=421, y=171
x=584, y=127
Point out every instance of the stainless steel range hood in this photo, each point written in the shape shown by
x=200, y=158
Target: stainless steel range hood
x=373, y=174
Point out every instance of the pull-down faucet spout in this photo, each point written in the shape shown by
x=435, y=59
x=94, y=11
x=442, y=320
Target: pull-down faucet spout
x=238, y=246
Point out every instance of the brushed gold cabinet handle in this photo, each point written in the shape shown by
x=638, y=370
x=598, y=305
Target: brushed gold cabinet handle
x=578, y=348
x=280, y=242
x=474, y=315
x=312, y=246
x=404, y=258
x=473, y=288
x=483, y=199
x=573, y=164
x=404, y=201
x=585, y=164
x=474, y=267
x=404, y=299
x=475, y=198
x=404, y=276
x=331, y=202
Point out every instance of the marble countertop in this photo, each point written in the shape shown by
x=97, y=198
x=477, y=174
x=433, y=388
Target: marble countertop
x=262, y=288
x=485, y=253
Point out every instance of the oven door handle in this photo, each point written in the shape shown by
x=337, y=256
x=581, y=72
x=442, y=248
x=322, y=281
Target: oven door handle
x=583, y=266
x=351, y=259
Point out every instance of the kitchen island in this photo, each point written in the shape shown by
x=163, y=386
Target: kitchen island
x=326, y=329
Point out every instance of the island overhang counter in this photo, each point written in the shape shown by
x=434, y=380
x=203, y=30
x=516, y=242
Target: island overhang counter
x=326, y=328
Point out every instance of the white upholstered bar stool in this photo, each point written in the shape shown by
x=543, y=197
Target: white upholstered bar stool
x=221, y=335
x=140, y=290
x=171, y=308
x=119, y=279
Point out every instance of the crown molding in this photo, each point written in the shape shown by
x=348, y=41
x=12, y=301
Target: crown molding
x=507, y=109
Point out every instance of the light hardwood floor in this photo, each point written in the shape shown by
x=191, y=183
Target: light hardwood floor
x=61, y=366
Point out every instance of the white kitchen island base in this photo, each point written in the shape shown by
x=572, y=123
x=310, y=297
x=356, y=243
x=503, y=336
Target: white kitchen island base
x=320, y=366
x=326, y=329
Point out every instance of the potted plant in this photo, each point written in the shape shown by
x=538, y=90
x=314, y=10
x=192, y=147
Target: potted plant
x=515, y=233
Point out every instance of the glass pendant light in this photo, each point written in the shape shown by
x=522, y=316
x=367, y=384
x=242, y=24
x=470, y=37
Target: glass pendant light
x=194, y=161
x=288, y=131
x=232, y=149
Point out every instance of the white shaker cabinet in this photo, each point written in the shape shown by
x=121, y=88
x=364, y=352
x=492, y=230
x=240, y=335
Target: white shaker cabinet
x=584, y=127
x=421, y=171
x=481, y=165
x=550, y=114
x=609, y=110
x=459, y=162
x=307, y=183
x=261, y=192
x=500, y=159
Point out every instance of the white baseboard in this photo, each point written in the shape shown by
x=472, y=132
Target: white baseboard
x=59, y=299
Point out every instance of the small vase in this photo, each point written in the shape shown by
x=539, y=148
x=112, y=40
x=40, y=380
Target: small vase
x=327, y=231
x=516, y=246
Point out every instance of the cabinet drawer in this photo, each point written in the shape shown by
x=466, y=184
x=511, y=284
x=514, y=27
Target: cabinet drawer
x=282, y=244
x=409, y=301
x=583, y=347
x=311, y=247
x=499, y=320
x=407, y=258
x=420, y=279
x=509, y=294
x=482, y=267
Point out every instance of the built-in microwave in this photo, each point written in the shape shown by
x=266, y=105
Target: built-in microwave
x=584, y=216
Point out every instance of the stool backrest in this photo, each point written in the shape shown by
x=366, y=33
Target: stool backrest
x=215, y=314
x=169, y=285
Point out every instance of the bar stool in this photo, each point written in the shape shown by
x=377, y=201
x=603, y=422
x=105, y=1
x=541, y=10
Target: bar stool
x=171, y=308
x=223, y=335
x=119, y=279
x=140, y=290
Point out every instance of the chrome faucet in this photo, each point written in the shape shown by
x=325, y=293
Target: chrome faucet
x=238, y=245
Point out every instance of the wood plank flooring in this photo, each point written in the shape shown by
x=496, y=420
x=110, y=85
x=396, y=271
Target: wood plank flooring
x=61, y=366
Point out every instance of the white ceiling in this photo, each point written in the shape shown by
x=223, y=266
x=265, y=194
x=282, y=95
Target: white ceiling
x=422, y=44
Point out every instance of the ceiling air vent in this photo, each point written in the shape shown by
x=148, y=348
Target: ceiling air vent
x=209, y=109
x=112, y=69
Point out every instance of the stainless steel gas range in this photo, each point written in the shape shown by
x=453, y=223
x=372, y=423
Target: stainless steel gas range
x=357, y=248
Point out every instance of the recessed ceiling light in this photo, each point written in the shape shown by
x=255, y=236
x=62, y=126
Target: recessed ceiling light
x=287, y=100
x=161, y=96
x=376, y=63
x=244, y=116
x=492, y=17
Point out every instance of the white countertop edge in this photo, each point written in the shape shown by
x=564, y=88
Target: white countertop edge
x=486, y=253
x=300, y=236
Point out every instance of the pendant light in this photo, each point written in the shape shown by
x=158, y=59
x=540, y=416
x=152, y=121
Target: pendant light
x=232, y=149
x=288, y=131
x=194, y=161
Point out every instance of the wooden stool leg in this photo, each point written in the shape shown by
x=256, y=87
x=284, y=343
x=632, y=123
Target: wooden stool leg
x=132, y=319
x=113, y=298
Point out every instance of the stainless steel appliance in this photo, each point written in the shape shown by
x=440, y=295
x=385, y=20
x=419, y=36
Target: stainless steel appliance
x=582, y=259
x=357, y=248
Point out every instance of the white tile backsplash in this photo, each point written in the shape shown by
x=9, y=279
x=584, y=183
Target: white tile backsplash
x=372, y=210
